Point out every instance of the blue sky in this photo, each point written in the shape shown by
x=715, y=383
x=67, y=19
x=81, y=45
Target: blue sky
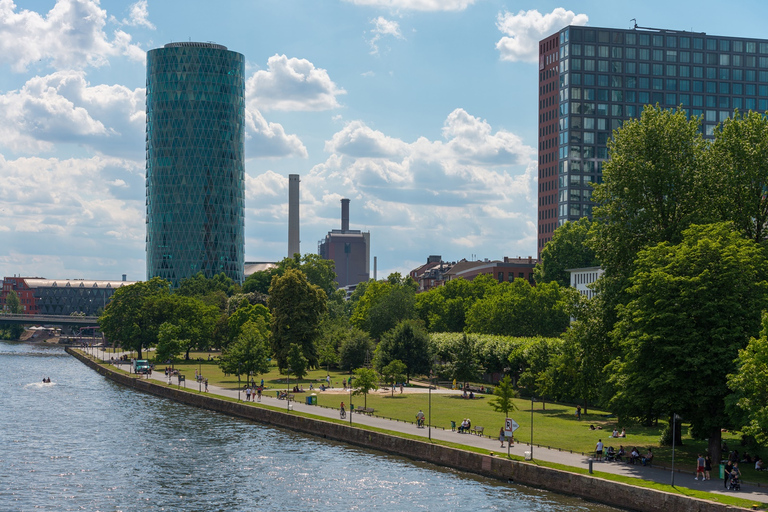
x=422, y=112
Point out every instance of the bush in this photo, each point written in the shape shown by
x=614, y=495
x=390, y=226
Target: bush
x=666, y=436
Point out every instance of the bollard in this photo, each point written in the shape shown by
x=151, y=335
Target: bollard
x=590, y=465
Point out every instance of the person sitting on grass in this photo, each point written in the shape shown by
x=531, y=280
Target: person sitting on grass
x=759, y=464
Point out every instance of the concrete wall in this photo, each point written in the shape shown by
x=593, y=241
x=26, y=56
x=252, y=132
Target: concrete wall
x=590, y=488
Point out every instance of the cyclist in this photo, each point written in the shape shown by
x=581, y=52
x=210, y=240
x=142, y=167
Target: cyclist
x=343, y=413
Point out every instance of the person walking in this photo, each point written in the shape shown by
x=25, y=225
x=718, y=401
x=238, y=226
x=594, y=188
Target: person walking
x=727, y=473
x=699, y=467
x=420, y=419
x=599, y=450
x=578, y=412
x=707, y=467
x=206, y=385
x=501, y=436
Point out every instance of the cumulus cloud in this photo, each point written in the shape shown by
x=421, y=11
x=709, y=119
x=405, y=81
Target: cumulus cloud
x=64, y=108
x=417, y=5
x=70, y=35
x=265, y=139
x=293, y=85
x=523, y=31
x=138, y=15
x=383, y=27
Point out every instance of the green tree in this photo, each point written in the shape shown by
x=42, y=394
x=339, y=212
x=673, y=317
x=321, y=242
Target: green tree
x=132, y=317
x=195, y=319
x=504, y=392
x=750, y=385
x=297, y=363
x=692, y=307
x=245, y=313
x=393, y=373
x=199, y=286
x=366, y=380
x=297, y=308
x=249, y=353
x=407, y=342
x=567, y=249
x=384, y=304
x=318, y=271
x=738, y=173
x=259, y=282
x=444, y=308
x=169, y=346
x=14, y=307
x=462, y=360
x=356, y=350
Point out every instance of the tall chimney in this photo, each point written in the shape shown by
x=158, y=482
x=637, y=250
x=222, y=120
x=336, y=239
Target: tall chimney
x=345, y=214
x=293, y=215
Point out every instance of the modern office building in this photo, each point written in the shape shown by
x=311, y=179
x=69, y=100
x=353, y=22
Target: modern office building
x=592, y=79
x=350, y=250
x=195, y=168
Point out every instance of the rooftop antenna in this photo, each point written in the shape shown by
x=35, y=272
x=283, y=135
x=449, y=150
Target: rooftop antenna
x=635, y=20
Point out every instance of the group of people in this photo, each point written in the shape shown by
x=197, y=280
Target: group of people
x=254, y=393
x=703, y=467
x=611, y=454
x=46, y=380
x=465, y=426
x=731, y=475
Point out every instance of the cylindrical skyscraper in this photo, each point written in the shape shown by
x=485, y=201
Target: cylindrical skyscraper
x=195, y=170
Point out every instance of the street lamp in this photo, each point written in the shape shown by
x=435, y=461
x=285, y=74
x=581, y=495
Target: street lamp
x=238, y=381
x=351, y=409
x=199, y=377
x=288, y=389
x=429, y=411
x=675, y=417
x=532, y=400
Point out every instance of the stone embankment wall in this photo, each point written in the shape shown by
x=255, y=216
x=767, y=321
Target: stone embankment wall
x=590, y=488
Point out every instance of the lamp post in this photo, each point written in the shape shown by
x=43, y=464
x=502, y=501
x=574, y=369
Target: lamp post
x=532, y=400
x=429, y=411
x=238, y=381
x=674, y=435
x=351, y=409
x=288, y=389
x=199, y=377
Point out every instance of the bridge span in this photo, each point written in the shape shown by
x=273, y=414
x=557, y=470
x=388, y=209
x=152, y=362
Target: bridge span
x=49, y=319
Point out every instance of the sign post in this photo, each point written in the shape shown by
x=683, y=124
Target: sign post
x=510, y=426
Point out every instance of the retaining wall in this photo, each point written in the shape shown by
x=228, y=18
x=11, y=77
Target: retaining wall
x=595, y=489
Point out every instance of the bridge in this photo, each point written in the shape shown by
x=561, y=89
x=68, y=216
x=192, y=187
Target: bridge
x=49, y=319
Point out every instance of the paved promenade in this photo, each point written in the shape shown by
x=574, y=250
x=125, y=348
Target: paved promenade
x=682, y=480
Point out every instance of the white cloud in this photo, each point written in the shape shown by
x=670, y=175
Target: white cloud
x=70, y=35
x=358, y=140
x=417, y=5
x=524, y=30
x=291, y=84
x=383, y=27
x=138, y=15
x=264, y=139
x=64, y=108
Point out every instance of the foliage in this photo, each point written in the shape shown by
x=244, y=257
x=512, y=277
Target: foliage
x=384, y=304
x=259, y=282
x=407, y=342
x=196, y=320
x=245, y=313
x=169, y=346
x=297, y=308
x=532, y=358
x=750, y=384
x=356, y=349
x=738, y=173
x=567, y=249
x=249, y=353
x=518, y=309
x=693, y=306
x=504, y=392
x=13, y=303
x=14, y=307
x=199, y=286
x=366, y=380
x=461, y=360
x=393, y=373
x=318, y=271
x=131, y=316
x=297, y=363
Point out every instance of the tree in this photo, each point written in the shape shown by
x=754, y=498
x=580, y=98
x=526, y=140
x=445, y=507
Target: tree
x=366, y=380
x=169, y=346
x=692, y=307
x=199, y=286
x=393, y=373
x=407, y=342
x=504, y=392
x=750, y=385
x=356, y=349
x=249, y=353
x=738, y=173
x=14, y=307
x=260, y=281
x=132, y=316
x=463, y=361
x=567, y=249
x=297, y=363
x=384, y=304
x=245, y=313
x=196, y=320
x=297, y=308
x=444, y=308
x=318, y=271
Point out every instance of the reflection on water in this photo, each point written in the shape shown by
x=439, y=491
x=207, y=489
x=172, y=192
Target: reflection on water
x=85, y=443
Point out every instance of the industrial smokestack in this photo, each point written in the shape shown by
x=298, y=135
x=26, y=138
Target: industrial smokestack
x=345, y=214
x=293, y=215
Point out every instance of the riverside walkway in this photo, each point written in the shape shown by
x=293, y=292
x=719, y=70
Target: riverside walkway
x=684, y=479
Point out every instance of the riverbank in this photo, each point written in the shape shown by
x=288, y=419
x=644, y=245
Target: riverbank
x=389, y=438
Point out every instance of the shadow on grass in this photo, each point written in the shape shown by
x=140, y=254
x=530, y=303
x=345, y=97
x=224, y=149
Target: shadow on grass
x=396, y=397
x=459, y=397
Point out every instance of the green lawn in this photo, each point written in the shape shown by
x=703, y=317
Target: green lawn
x=555, y=425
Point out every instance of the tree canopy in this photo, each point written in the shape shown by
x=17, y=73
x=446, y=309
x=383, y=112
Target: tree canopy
x=567, y=249
x=407, y=342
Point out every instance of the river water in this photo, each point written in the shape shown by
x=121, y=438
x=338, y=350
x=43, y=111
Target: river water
x=85, y=443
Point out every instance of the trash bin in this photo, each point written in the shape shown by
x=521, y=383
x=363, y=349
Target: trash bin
x=312, y=399
x=528, y=455
x=453, y=426
x=722, y=471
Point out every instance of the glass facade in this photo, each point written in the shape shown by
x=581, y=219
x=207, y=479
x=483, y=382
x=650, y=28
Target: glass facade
x=603, y=77
x=195, y=162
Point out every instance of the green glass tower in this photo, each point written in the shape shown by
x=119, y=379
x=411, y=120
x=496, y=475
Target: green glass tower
x=195, y=168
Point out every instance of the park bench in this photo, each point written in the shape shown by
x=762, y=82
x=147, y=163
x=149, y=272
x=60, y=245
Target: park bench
x=291, y=397
x=360, y=409
x=478, y=430
x=369, y=411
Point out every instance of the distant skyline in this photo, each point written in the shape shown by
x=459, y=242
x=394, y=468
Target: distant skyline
x=422, y=112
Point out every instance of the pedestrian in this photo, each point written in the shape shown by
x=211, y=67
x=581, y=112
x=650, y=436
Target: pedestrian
x=262, y=383
x=401, y=388
x=699, y=467
x=599, y=450
x=328, y=380
x=727, y=473
x=206, y=385
x=420, y=419
x=501, y=436
x=248, y=394
x=258, y=394
x=707, y=466
x=578, y=412
x=345, y=383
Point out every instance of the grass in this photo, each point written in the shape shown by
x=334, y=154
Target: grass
x=555, y=425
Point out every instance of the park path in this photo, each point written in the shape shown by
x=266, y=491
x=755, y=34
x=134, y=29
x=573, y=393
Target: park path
x=656, y=474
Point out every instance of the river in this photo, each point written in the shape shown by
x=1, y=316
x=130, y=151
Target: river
x=83, y=442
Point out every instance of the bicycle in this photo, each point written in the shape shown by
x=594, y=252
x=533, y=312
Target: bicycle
x=343, y=413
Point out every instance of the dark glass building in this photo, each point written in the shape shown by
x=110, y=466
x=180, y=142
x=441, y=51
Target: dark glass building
x=195, y=169
x=593, y=79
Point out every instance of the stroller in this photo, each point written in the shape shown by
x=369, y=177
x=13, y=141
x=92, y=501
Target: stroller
x=734, y=483
x=610, y=455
